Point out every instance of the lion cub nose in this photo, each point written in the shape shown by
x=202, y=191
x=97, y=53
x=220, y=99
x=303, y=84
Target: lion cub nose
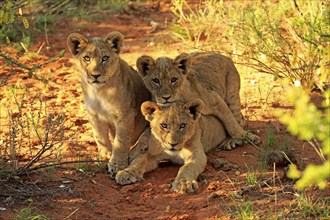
x=172, y=145
x=166, y=97
x=96, y=76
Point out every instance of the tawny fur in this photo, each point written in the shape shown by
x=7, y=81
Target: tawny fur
x=208, y=76
x=113, y=93
x=180, y=134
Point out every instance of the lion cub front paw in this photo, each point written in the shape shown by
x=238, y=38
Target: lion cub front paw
x=184, y=185
x=114, y=167
x=124, y=178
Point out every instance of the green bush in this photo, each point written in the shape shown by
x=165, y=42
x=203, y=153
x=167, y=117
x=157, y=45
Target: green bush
x=312, y=125
x=11, y=13
x=274, y=38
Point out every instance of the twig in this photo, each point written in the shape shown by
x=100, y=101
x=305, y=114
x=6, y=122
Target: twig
x=24, y=171
x=251, y=142
x=35, y=67
x=21, y=65
x=71, y=214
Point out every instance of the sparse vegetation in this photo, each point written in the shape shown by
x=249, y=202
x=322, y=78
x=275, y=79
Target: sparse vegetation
x=32, y=132
x=251, y=177
x=243, y=210
x=291, y=41
x=29, y=213
x=310, y=207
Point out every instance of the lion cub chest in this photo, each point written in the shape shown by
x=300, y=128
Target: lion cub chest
x=178, y=157
x=102, y=104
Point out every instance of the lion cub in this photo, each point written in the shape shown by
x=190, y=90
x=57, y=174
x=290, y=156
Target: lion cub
x=180, y=134
x=113, y=93
x=208, y=76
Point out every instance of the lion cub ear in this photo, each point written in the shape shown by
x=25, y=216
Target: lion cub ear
x=182, y=62
x=148, y=109
x=143, y=64
x=76, y=43
x=115, y=40
x=194, y=108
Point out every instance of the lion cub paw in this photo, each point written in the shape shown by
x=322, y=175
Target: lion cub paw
x=113, y=167
x=124, y=178
x=184, y=185
x=230, y=143
x=249, y=137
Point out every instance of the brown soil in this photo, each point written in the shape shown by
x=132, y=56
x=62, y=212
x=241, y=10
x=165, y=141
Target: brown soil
x=72, y=194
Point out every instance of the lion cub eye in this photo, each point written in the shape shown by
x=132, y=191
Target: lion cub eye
x=173, y=80
x=182, y=126
x=105, y=58
x=155, y=80
x=87, y=58
x=163, y=125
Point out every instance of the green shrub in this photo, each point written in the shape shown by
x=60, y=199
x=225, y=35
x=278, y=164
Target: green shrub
x=312, y=125
x=11, y=13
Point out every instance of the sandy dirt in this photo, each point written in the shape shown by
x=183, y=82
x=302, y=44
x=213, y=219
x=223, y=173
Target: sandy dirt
x=70, y=193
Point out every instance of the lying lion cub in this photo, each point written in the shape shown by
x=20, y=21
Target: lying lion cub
x=208, y=76
x=180, y=134
x=113, y=93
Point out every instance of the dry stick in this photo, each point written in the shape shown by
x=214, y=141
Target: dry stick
x=26, y=194
x=24, y=170
x=71, y=214
x=41, y=166
x=31, y=69
x=251, y=142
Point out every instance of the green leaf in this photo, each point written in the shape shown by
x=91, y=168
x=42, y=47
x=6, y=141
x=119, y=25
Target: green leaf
x=293, y=172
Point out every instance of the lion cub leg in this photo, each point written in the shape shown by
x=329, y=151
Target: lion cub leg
x=122, y=142
x=141, y=145
x=186, y=180
x=223, y=113
x=232, y=98
x=140, y=165
x=101, y=135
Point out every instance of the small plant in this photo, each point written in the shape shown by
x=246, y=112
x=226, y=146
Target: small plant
x=242, y=210
x=32, y=132
x=199, y=26
x=307, y=206
x=29, y=213
x=276, y=152
x=251, y=177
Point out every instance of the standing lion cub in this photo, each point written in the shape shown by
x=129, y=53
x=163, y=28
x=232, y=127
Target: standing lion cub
x=113, y=93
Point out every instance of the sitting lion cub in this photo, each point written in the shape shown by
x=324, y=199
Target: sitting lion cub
x=113, y=93
x=180, y=134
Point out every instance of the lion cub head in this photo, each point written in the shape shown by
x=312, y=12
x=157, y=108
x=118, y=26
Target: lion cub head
x=97, y=59
x=173, y=125
x=164, y=77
